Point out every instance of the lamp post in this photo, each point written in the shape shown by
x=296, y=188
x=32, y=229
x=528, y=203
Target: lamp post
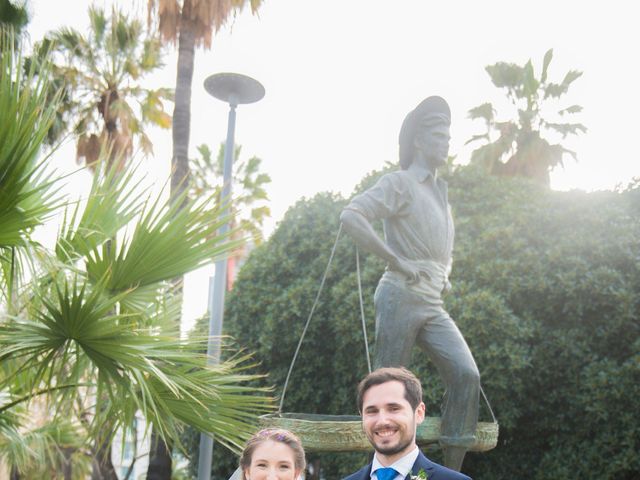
x=234, y=89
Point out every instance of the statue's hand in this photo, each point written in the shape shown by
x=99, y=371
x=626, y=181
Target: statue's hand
x=412, y=272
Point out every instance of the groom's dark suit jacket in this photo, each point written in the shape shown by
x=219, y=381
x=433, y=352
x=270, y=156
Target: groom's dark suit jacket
x=433, y=471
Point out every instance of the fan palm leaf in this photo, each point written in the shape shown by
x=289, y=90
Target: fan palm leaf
x=113, y=201
x=169, y=239
x=27, y=193
x=75, y=338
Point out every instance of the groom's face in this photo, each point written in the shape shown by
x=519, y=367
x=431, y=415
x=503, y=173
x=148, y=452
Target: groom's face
x=389, y=421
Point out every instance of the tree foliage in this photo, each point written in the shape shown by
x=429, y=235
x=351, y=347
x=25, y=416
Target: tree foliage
x=545, y=290
x=522, y=140
x=14, y=15
x=249, y=194
x=189, y=23
x=88, y=329
x=202, y=18
x=105, y=104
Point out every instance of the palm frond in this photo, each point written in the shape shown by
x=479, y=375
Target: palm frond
x=168, y=380
x=35, y=451
x=27, y=194
x=114, y=200
x=171, y=239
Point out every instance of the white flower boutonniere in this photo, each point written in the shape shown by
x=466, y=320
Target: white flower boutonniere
x=422, y=475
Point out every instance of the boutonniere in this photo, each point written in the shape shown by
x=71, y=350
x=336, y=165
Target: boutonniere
x=422, y=475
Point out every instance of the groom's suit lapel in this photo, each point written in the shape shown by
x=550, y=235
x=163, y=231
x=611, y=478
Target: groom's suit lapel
x=421, y=463
x=364, y=473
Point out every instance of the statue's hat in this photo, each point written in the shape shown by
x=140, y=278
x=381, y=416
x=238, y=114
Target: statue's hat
x=434, y=107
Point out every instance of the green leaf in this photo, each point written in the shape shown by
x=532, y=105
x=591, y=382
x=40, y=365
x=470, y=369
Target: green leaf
x=566, y=128
x=526, y=119
x=484, y=136
x=545, y=65
x=98, y=23
x=529, y=83
x=505, y=75
x=554, y=90
x=571, y=109
x=486, y=156
x=152, y=55
x=85, y=331
x=570, y=77
x=248, y=183
x=484, y=111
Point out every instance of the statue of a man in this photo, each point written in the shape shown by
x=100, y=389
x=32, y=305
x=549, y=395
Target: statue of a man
x=418, y=229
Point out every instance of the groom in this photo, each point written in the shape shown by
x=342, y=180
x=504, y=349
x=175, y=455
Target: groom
x=390, y=402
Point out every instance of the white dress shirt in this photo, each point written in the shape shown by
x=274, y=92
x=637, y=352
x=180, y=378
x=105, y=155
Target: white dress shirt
x=403, y=466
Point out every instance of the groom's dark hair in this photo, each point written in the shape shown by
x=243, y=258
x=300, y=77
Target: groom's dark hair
x=412, y=387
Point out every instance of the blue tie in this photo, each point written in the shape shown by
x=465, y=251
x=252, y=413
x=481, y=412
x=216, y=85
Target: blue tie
x=386, y=473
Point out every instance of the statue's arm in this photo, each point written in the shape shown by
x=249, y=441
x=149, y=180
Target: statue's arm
x=361, y=231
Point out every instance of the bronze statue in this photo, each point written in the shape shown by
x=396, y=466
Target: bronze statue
x=418, y=229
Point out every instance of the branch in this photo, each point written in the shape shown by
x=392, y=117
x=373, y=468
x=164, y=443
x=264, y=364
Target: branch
x=25, y=398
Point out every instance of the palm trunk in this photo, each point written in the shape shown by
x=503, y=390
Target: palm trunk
x=182, y=109
x=160, y=453
x=159, y=459
x=67, y=468
x=103, y=468
x=14, y=475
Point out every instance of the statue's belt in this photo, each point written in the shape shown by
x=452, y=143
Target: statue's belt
x=432, y=286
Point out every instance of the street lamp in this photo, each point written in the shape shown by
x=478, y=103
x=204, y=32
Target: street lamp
x=234, y=89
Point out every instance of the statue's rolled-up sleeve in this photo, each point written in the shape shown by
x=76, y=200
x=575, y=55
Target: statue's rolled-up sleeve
x=387, y=198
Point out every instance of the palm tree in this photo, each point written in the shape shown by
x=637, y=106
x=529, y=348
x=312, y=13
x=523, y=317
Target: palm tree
x=190, y=24
x=88, y=328
x=520, y=141
x=249, y=185
x=101, y=74
x=248, y=205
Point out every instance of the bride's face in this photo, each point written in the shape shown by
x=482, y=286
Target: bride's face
x=272, y=461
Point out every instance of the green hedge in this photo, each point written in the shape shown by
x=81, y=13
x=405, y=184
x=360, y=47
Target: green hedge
x=545, y=290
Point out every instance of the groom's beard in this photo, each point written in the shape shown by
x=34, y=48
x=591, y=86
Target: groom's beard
x=392, y=450
x=404, y=443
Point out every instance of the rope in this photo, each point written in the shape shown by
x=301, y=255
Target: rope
x=488, y=405
x=364, y=326
x=313, y=309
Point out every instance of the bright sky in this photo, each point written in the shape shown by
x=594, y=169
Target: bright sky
x=341, y=75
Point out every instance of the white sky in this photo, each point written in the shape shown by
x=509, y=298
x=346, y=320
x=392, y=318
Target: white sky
x=341, y=75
